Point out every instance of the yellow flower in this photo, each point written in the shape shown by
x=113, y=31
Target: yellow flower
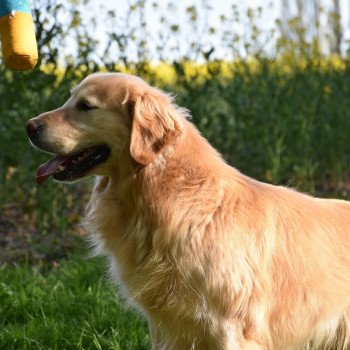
x=327, y=90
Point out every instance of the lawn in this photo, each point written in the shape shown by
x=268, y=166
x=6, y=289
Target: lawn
x=68, y=306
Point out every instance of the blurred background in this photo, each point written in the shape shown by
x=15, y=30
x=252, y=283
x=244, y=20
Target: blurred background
x=268, y=83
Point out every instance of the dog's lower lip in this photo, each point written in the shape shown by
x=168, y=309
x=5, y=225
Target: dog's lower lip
x=72, y=167
x=79, y=168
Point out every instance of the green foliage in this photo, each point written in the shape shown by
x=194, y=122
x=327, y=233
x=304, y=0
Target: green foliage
x=282, y=119
x=23, y=96
x=65, y=307
x=280, y=125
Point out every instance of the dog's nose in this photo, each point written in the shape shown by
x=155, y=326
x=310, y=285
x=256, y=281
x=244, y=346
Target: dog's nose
x=33, y=126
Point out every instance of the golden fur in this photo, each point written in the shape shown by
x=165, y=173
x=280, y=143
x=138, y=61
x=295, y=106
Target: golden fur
x=213, y=258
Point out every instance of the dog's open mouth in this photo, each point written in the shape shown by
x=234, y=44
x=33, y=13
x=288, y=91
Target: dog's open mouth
x=72, y=167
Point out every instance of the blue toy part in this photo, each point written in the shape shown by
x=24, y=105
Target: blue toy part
x=7, y=6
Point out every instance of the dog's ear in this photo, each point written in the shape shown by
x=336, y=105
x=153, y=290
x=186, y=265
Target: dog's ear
x=156, y=124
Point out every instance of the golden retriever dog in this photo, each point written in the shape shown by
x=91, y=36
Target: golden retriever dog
x=212, y=258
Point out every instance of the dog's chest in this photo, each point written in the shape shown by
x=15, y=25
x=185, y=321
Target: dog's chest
x=126, y=237
x=148, y=274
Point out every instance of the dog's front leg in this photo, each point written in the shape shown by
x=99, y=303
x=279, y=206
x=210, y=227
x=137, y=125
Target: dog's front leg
x=224, y=338
x=157, y=338
x=251, y=345
x=228, y=335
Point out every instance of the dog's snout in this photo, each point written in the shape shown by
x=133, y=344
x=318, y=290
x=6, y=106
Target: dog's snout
x=33, y=127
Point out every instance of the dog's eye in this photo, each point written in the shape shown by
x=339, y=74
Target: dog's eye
x=84, y=106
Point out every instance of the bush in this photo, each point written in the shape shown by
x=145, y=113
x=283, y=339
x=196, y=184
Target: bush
x=276, y=121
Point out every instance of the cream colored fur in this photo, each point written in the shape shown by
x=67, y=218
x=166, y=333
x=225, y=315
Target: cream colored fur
x=213, y=258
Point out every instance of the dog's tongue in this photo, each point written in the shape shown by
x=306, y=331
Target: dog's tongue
x=49, y=168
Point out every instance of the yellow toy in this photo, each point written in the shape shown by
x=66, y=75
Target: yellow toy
x=19, y=47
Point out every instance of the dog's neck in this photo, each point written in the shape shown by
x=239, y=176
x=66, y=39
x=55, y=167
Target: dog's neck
x=159, y=206
x=192, y=166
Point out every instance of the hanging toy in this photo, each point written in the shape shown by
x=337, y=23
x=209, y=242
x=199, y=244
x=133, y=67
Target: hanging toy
x=19, y=47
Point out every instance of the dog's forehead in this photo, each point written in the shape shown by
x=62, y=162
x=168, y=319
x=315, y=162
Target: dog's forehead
x=95, y=86
x=105, y=85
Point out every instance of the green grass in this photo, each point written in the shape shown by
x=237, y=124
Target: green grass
x=71, y=306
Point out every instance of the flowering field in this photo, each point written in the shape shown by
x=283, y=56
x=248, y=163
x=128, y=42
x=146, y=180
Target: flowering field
x=283, y=121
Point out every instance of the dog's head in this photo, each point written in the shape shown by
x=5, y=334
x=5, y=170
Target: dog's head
x=109, y=119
